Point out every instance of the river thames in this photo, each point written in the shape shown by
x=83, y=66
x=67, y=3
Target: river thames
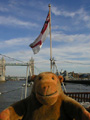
x=12, y=91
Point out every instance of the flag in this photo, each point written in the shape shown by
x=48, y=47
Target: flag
x=37, y=44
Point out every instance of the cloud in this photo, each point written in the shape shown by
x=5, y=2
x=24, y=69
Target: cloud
x=66, y=57
x=62, y=37
x=65, y=13
x=57, y=27
x=75, y=46
x=79, y=15
x=3, y=9
x=16, y=42
x=57, y=12
x=13, y=22
x=76, y=49
x=83, y=16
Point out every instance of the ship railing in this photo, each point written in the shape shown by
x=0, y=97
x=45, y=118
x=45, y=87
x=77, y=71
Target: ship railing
x=22, y=88
x=5, y=92
x=79, y=96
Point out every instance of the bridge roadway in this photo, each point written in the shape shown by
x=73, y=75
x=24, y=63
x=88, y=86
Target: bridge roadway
x=17, y=64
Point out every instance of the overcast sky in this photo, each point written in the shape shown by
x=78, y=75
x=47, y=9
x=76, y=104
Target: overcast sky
x=22, y=20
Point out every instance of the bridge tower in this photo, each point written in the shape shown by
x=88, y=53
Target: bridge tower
x=2, y=69
x=32, y=66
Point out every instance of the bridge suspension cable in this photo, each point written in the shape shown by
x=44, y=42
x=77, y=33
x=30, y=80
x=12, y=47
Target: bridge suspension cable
x=14, y=59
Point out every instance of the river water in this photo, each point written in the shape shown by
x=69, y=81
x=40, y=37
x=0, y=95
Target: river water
x=12, y=91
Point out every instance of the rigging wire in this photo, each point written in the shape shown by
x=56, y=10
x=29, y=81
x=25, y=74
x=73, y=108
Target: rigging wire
x=45, y=61
x=72, y=62
x=12, y=58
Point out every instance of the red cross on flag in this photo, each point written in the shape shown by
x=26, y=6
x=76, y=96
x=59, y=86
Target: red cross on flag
x=37, y=44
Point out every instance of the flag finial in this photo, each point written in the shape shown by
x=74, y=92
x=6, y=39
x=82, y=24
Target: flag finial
x=49, y=5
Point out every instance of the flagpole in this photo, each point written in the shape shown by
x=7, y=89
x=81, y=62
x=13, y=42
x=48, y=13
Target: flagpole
x=50, y=38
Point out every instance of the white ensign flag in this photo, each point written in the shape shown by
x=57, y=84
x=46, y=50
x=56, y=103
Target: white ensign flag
x=37, y=44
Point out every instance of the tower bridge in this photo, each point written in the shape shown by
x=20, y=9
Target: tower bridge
x=3, y=65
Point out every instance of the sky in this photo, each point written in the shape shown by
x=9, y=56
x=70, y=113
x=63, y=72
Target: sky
x=21, y=22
